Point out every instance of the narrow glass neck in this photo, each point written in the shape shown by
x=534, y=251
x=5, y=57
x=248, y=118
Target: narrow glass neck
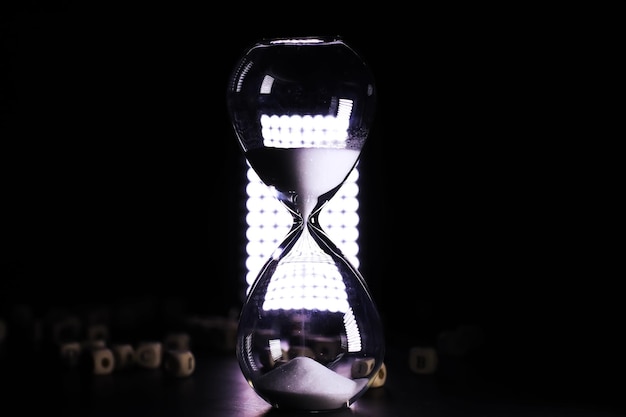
x=306, y=209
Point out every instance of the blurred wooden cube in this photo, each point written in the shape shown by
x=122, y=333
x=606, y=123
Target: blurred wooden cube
x=380, y=378
x=149, y=354
x=423, y=359
x=98, y=361
x=69, y=354
x=124, y=354
x=179, y=363
x=361, y=368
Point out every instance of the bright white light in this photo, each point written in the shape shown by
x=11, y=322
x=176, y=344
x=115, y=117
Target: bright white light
x=242, y=76
x=248, y=349
x=303, y=285
x=275, y=349
x=304, y=131
x=297, y=41
x=269, y=222
x=266, y=85
x=352, y=332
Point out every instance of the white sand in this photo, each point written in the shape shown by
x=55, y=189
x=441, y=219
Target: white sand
x=305, y=384
x=320, y=170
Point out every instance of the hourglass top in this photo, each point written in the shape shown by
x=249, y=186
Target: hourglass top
x=305, y=92
x=301, y=109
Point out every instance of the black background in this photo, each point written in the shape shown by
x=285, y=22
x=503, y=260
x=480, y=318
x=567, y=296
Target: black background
x=482, y=201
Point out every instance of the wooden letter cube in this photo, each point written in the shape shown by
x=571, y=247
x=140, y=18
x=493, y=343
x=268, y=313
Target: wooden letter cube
x=99, y=361
x=179, y=363
x=124, y=354
x=361, y=368
x=423, y=360
x=69, y=354
x=149, y=354
x=380, y=378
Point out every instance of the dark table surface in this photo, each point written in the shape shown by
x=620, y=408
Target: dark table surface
x=218, y=388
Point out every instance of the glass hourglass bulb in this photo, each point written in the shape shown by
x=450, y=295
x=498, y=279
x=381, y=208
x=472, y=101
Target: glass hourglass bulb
x=310, y=336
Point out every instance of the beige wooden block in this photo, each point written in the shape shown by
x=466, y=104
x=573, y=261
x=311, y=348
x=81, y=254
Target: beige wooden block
x=362, y=368
x=179, y=363
x=69, y=353
x=124, y=354
x=423, y=359
x=149, y=354
x=380, y=378
x=99, y=361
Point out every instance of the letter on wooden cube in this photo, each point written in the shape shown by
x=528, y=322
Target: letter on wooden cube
x=149, y=354
x=423, y=359
x=69, y=354
x=124, y=354
x=179, y=363
x=380, y=378
x=99, y=361
x=361, y=368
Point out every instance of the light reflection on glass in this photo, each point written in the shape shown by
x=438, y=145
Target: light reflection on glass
x=268, y=221
x=306, y=279
x=304, y=131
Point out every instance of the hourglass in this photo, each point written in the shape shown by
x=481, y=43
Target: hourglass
x=310, y=336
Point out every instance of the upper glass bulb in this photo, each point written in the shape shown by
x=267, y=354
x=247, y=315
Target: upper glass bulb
x=302, y=98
